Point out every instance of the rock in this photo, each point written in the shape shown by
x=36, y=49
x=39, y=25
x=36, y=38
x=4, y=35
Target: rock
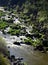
x=12, y=58
x=8, y=46
x=8, y=57
x=18, y=61
x=20, y=58
x=14, y=63
x=16, y=43
x=45, y=43
x=33, y=35
x=4, y=32
x=40, y=48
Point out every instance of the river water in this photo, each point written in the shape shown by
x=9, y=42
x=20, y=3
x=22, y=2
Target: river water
x=30, y=56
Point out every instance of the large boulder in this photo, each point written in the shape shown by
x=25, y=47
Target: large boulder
x=16, y=43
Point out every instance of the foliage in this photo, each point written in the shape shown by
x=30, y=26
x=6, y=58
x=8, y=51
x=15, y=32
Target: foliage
x=31, y=12
x=3, y=52
x=3, y=48
x=25, y=63
x=13, y=31
x=28, y=41
x=2, y=13
x=3, y=25
x=37, y=42
x=34, y=12
x=3, y=60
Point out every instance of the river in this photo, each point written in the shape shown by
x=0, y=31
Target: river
x=30, y=56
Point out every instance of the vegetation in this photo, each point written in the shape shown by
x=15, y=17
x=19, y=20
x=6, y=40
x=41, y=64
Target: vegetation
x=3, y=25
x=30, y=12
x=34, y=13
x=4, y=60
x=34, y=42
x=3, y=53
x=28, y=41
x=13, y=31
x=2, y=13
x=25, y=63
x=3, y=48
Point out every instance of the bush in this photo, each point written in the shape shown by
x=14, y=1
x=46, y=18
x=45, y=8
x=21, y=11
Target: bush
x=3, y=60
x=13, y=31
x=28, y=41
x=37, y=42
x=2, y=13
x=3, y=53
x=3, y=48
x=3, y=25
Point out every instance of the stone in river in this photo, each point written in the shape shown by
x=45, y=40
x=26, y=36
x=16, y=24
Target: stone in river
x=16, y=43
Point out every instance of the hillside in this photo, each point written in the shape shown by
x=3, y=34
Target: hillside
x=26, y=23
x=32, y=13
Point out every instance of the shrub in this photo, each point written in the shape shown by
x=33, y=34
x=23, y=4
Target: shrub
x=3, y=48
x=3, y=60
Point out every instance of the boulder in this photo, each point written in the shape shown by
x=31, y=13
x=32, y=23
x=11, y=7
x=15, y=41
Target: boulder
x=12, y=58
x=16, y=43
